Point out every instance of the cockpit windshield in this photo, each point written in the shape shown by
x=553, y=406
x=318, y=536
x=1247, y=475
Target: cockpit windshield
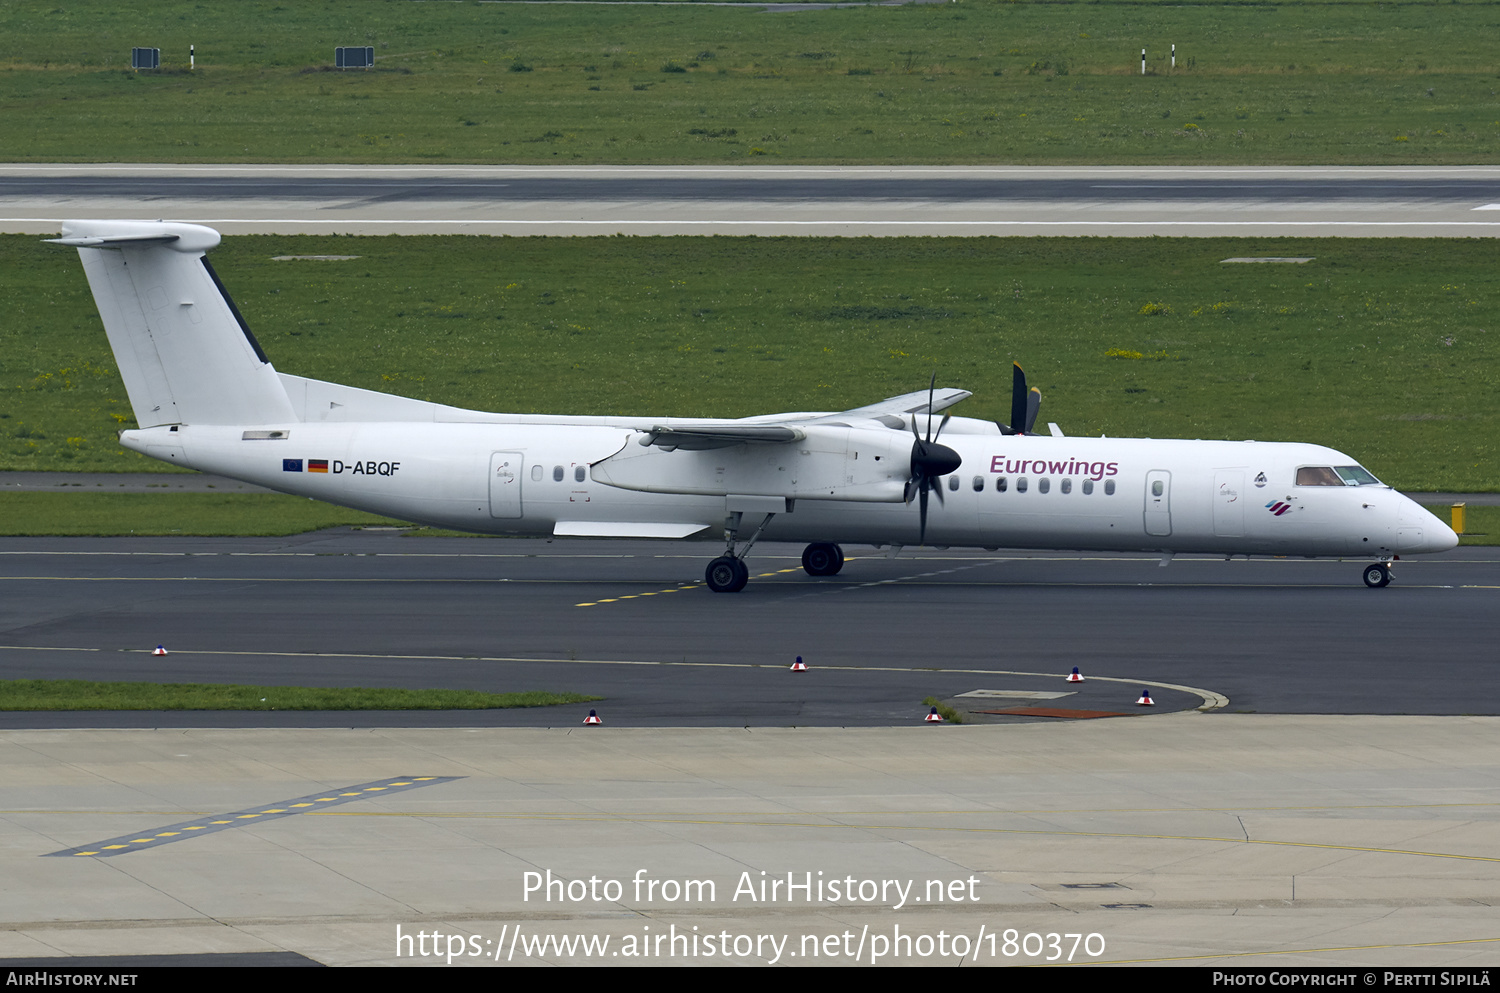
x=1343, y=475
x=1356, y=475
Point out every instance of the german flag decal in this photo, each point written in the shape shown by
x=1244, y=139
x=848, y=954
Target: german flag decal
x=317, y=465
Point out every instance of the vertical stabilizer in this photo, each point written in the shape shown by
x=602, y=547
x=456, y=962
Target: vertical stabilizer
x=184, y=351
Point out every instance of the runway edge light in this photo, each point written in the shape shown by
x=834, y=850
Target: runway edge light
x=592, y=718
x=1145, y=700
x=1075, y=676
x=934, y=717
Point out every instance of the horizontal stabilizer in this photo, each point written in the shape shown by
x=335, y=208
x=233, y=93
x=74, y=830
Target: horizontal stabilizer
x=115, y=241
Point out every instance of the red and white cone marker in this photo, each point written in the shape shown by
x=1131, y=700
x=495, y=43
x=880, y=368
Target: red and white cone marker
x=934, y=717
x=1075, y=676
x=592, y=718
x=159, y=651
x=1145, y=700
x=799, y=665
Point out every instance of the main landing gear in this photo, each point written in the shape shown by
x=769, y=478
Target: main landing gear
x=822, y=558
x=729, y=574
x=1378, y=574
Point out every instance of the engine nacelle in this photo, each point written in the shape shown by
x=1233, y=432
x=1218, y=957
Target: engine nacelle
x=829, y=463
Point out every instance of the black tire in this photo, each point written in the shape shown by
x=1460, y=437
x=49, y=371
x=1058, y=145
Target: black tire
x=822, y=558
x=726, y=575
x=1377, y=575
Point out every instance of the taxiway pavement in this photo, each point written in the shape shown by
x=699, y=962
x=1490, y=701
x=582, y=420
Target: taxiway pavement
x=633, y=622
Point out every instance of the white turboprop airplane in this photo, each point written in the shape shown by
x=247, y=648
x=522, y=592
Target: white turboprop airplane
x=207, y=398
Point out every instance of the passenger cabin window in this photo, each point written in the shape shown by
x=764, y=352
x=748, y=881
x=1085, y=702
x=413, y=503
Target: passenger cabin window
x=1088, y=487
x=557, y=474
x=1109, y=487
x=1043, y=485
x=578, y=474
x=1020, y=484
x=978, y=484
x=1318, y=475
x=953, y=483
x=1000, y=485
x=1067, y=486
x=536, y=474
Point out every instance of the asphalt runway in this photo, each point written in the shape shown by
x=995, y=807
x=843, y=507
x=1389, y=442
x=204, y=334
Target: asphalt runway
x=828, y=200
x=632, y=622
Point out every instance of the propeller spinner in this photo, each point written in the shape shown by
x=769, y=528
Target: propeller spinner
x=930, y=461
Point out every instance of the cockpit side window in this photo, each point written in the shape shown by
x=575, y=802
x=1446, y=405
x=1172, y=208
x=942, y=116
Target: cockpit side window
x=1318, y=475
x=1356, y=475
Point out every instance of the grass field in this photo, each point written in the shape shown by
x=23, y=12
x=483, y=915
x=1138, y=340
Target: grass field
x=78, y=694
x=75, y=513
x=970, y=81
x=1385, y=349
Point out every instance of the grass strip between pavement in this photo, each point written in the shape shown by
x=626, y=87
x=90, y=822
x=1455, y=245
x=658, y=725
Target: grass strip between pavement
x=78, y=694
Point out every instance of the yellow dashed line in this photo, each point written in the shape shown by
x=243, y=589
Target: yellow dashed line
x=675, y=589
x=182, y=831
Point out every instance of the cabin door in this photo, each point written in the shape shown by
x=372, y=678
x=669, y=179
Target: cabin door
x=505, y=484
x=1159, y=502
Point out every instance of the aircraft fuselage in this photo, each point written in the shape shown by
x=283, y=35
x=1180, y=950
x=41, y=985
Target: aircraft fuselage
x=1011, y=491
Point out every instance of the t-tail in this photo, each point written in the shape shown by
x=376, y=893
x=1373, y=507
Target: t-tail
x=185, y=353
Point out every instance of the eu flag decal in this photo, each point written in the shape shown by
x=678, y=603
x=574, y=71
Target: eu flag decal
x=291, y=465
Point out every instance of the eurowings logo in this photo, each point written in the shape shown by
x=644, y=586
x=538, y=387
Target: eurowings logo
x=1277, y=508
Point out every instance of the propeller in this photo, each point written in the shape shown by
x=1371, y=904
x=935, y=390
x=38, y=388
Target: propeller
x=1024, y=404
x=929, y=462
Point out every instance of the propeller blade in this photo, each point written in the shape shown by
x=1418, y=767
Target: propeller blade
x=1033, y=404
x=931, y=389
x=922, y=532
x=942, y=424
x=930, y=461
x=1018, y=400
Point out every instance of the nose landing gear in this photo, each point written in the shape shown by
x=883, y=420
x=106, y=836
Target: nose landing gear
x=1377, y=574
x=728, y=573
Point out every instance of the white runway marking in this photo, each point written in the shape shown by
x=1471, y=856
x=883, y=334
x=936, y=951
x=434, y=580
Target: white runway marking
x=477, y=222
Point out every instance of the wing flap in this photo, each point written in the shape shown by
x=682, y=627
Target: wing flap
x=624, y=529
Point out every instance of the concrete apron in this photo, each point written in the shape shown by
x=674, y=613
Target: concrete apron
x=1180, y=839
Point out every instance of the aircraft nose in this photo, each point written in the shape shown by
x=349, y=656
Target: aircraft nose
x=1436, y=536
x=1440, y=538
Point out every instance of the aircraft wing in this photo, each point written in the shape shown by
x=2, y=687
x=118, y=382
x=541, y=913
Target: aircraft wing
x=783, y=429
x=906, y=403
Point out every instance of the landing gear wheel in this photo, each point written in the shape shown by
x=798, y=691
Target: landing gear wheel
x=1377, y=575
x=726, y=575
x=822, y=558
